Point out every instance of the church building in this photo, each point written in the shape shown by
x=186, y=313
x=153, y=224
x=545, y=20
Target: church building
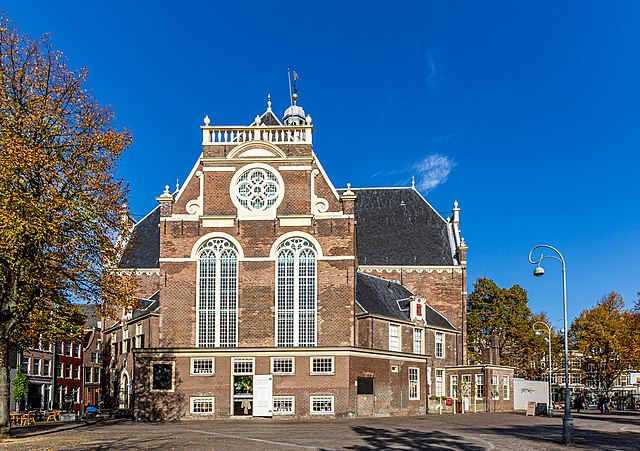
x=277, y=294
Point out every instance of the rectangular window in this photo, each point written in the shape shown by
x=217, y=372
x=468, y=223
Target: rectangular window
x=140, y=339
x=321, y=404
x=68, y=349
x=365, y=385
x=243, y=365
x=98, y=345
x=58, y=369
x=454, y=386
x=284, y=405
x=162, y=376
x=139, y=329
x=394, y=337
x=414, y=383
x=67, y=370
x=495, y=394
x=505, y=387
x=322, y=365
x=96, y=375
x=439, y=382
x=202, y=405
x=36, y=366
x=76, y=350
x=417, y=341
x=202, y=366
x=479, y=386
x=87, y=374
x=466, y=385
x=46, y=367
x=282, y=365
x=439, y=345
x=25, y=365
x=76, y=372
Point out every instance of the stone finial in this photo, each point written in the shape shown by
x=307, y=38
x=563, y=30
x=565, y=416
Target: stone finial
x=413, y=182
x=348, y=192
x=257, y=120
x=268, y=102
x=177, y=184
x=165, y=196
x=308, y=120
x=207, y=121
x=456, y=212
x=455, y=204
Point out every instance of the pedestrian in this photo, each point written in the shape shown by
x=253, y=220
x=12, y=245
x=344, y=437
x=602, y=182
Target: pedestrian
x=601, y=403
x=606, y=404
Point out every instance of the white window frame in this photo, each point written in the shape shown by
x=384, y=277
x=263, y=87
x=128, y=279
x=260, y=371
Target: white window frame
x=414, y=383
x=495, y=393
x=194, y=372
x=395, y=343
x=295, y=245
x=311, y=365
x=293, y=366
x=235, y=360
x=439, y=354
x=37, y=367
x=453, y=386
x=418, y=340
x=440, y=378
x=479, y=386
x=292, y=399
x=217, y=246
x=330, y=398
x=139, y=329
x=194, y=399
x=505, y=388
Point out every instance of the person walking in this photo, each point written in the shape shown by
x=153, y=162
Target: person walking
x=601, y=403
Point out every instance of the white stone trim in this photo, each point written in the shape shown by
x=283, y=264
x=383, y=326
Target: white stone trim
x=218, y=221
x=219, y=169
x=295, y=220
x=236, y=152
x=418, y=269
x=324, y=174
x=269, y=213
x=282, y=238
x=207, y=237
x=294, y=168
x=188, y=180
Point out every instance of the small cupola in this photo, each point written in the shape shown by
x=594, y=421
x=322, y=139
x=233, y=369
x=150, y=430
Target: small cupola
x=294, y=115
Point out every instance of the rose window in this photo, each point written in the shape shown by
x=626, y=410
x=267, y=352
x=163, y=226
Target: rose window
x=257, y=189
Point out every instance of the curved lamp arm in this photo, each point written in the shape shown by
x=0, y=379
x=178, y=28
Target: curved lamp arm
x=560, y=258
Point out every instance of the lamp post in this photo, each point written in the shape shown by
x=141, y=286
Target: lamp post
x=538, y=332
x=567, y=419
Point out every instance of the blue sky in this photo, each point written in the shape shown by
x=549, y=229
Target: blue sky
x=527, y=113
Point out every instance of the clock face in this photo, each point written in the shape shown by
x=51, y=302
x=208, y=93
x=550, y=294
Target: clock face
x=257, y=189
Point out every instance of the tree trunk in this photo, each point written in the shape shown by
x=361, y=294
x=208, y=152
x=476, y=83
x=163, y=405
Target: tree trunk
x=5, y=388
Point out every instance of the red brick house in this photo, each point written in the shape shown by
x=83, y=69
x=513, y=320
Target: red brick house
x=278, y=294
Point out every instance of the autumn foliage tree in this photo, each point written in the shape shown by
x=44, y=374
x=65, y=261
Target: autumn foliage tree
x=504, y=313
x=60, y=204
x=601, y=335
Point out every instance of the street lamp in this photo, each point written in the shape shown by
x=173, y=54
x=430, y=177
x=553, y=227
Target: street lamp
x=567, y=419
x=538, y=332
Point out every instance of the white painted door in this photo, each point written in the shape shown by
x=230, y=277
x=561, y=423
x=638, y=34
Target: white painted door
x=262, y=395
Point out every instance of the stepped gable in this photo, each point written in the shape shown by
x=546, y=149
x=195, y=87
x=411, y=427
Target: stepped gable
x=143, y=250
x=398, y=227
x=390, y=299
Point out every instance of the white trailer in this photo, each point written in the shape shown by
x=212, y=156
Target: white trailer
x=525, y=391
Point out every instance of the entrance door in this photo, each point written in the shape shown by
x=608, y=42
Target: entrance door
x=262, y=395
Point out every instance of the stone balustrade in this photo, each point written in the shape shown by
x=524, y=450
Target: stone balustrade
x=271, y=134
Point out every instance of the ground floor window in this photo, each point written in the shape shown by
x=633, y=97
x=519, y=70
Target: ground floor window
x=321, y=404
x=479, y=386
x=495, y=394
x=414, y=383
x=284, y=405
x=202, y=366
x=201, y=404
x=282, y=365
x=322, y=365
x=439, y=382
x=162, y=376
x=243, y=369
x=454, y=386
x=505, y=387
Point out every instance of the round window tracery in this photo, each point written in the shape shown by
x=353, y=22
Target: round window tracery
x=257, y=189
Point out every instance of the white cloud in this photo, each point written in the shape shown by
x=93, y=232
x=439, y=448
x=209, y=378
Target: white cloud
x=433, y=171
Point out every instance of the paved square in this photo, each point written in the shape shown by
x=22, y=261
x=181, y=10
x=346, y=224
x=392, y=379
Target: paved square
x=484, y=431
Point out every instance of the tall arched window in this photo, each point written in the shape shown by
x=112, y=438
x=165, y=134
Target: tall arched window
x=217, y=304
x=296, y=293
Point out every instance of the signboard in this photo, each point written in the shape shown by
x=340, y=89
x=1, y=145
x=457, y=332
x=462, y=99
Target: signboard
x=449, y=402
x=262, y=395
x=531, y=408
x=526, y=391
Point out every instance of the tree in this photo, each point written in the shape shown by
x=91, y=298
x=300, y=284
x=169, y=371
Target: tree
x=20, y=387
x=60, y=204
x=503, y=312
x=629, y=336
x=598, y=335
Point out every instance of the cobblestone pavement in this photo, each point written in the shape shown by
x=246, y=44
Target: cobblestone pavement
x=483, y=431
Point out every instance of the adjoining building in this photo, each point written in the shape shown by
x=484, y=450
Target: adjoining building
x=275, y=294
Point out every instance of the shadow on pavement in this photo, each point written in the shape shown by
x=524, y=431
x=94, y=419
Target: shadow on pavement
x=52, y=428
x=377, y=439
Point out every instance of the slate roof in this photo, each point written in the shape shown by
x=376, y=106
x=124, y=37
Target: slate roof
x=396, y=226
x=150, y=305
x=268, y=118
x=143, y=250
x=390, y=299
x=91, y=312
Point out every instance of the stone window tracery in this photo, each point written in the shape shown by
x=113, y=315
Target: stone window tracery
x=257, y=189
x=296, y=293
x=217, y=301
